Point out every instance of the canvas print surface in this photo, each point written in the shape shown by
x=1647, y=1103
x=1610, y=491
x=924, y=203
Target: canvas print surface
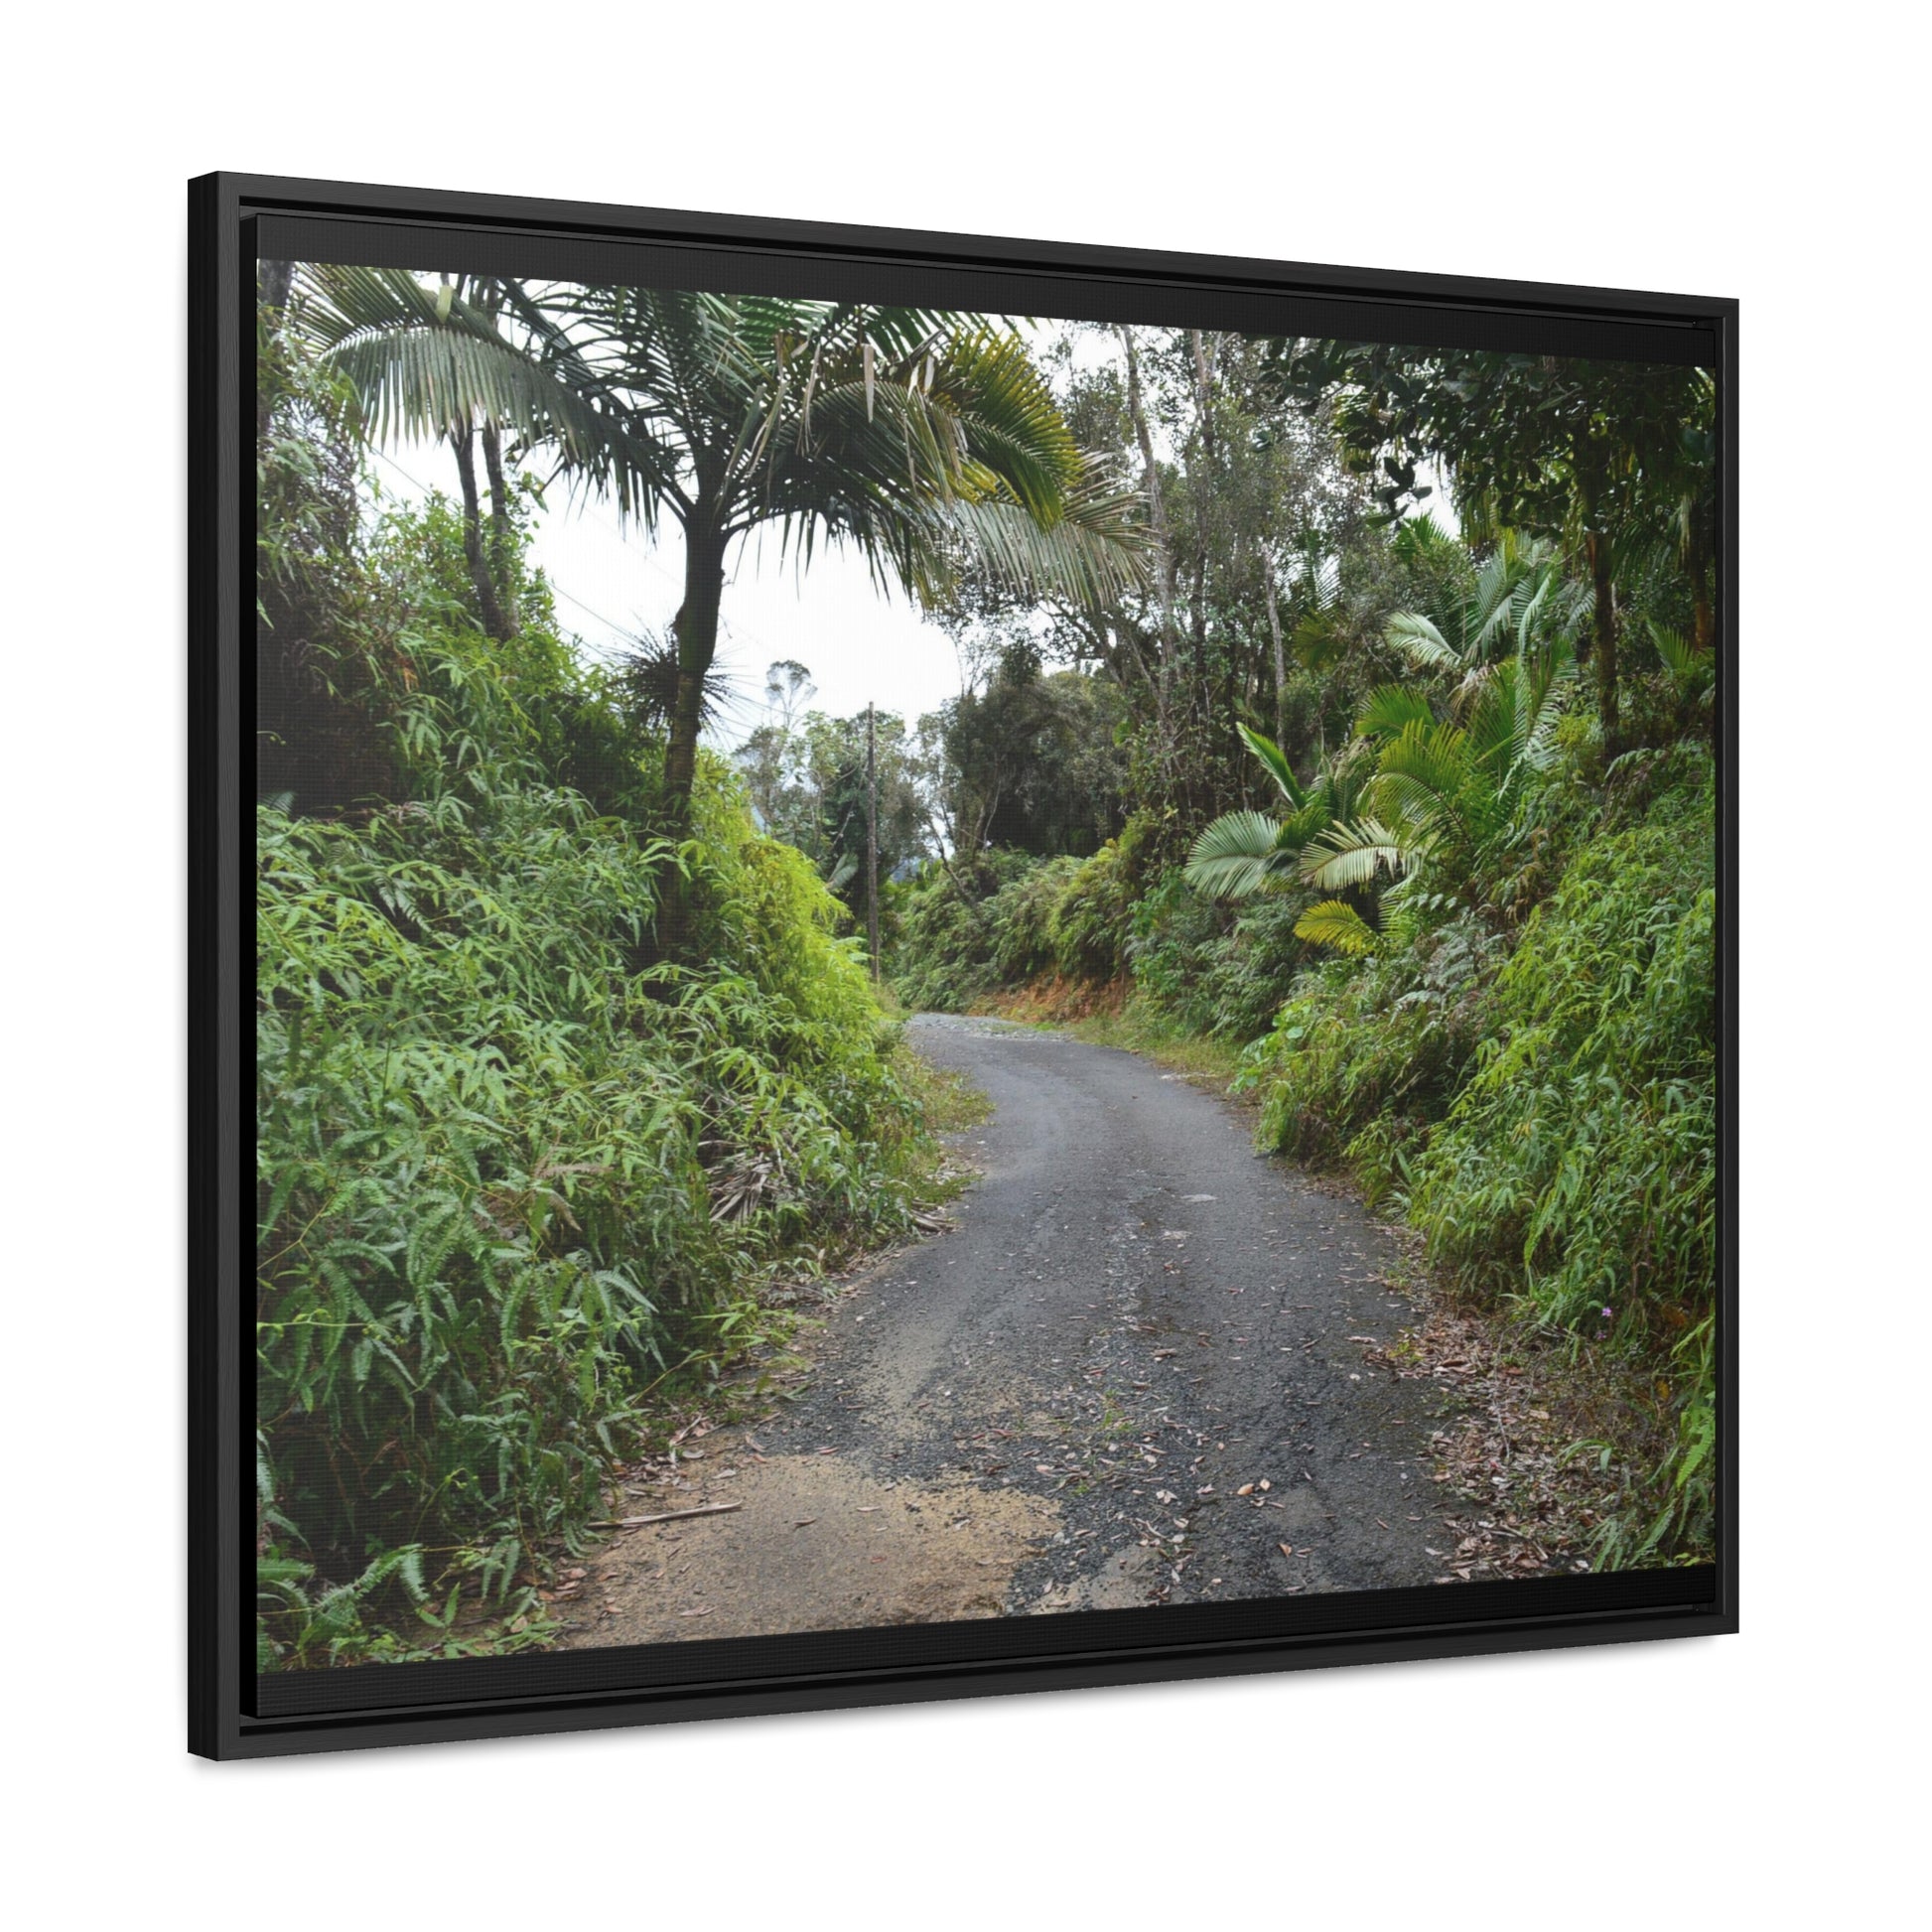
x=916, y=966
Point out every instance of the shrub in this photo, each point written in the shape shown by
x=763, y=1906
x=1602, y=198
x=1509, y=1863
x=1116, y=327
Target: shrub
x=1088, y=923
x=1368, y=1054
x=1597, y=1084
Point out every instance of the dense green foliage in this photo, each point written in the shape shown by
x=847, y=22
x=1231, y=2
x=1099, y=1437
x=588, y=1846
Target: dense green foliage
x=515, y=1164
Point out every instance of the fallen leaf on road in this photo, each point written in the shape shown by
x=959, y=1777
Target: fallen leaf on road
x=1285, y=1550
x=1246, y=1489
x=804, y=1522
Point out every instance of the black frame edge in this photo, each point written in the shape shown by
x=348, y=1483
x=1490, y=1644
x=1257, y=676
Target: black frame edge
x=217, y=561
x=206, y=210
x=219, y=1726
x=1726, y=320
x=440, y=206
x=614, y=1711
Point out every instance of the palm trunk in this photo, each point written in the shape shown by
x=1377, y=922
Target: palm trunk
x=697, y=644
x=696, y=630
x=488, y=606
x=502, y=538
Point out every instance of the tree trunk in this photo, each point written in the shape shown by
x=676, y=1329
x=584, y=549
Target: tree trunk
x=1704, y=610
x=1281, y=658
x=1158, y=518
x=696, y=627
x=1201, y=492
x=272, y=281
x=502, y=538
x=871, y=838
x=488, y=606
x=965, y=897
x=1596, y=545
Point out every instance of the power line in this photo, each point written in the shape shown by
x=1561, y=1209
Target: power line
x=735, y=632
x=569, y=596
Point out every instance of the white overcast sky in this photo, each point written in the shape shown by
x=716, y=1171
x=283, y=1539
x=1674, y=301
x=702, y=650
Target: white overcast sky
x=861, y=647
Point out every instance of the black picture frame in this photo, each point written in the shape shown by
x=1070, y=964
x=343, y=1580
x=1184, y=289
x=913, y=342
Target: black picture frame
x=235, y=218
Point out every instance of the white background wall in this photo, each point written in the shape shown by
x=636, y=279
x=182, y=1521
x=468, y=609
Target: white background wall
x=1761, y=1778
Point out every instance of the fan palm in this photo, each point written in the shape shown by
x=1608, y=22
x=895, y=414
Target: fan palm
x=1240, y=851
x=1441, y=789
x=1435, y=789
x=1518, y=596
x=914, y=436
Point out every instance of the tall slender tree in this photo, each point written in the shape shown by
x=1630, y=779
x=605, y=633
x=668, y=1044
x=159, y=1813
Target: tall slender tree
x=915, y=436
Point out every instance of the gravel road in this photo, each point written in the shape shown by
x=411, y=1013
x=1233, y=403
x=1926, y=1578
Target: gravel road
x=1138, y=1367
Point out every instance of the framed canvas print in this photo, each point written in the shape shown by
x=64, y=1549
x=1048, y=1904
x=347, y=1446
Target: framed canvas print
x=928, y=965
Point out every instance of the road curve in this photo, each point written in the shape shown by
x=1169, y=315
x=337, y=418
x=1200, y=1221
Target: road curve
x=1058, y=1404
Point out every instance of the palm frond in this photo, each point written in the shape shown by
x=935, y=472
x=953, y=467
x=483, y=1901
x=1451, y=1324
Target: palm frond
x=1271, y=755
x=1417, y=637
x=1238, y=853
x=1393, y=709
x=1356, y=854
x=425, y=363
x=1334, y=922
x=1689, y=667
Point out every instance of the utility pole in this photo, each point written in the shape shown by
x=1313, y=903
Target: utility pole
x=872, y=837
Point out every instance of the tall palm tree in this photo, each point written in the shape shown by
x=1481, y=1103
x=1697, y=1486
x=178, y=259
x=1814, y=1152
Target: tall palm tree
x=914, y=436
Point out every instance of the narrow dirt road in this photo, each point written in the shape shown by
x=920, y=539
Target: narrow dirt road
x=1136, y=1370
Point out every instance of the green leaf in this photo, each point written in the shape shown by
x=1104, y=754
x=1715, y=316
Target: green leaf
x=1334, y=922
